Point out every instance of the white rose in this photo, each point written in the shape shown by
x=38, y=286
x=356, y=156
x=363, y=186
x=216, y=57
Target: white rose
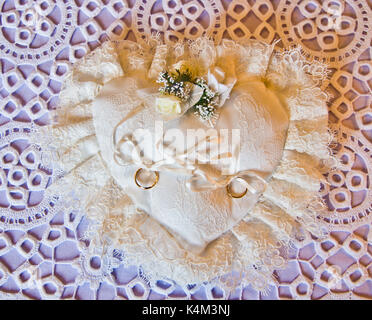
x=169, y=105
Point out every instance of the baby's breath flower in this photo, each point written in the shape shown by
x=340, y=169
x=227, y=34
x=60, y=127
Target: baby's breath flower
x=179, y=84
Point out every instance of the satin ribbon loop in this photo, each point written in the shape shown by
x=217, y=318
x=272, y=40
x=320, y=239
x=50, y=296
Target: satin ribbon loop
x=199, y=181
x=251, y=180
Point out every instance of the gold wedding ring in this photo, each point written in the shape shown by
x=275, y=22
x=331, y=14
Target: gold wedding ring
x=235, y=195
x=143, y=187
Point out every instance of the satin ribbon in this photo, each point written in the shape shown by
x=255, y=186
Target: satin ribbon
x=180, y=163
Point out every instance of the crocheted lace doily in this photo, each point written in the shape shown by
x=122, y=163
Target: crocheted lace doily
x=42, y=252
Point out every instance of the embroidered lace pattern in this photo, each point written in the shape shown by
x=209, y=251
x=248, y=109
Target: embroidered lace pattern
x=45, y=249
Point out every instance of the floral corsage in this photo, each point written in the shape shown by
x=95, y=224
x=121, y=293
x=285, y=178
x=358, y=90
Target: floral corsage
x=181, y=91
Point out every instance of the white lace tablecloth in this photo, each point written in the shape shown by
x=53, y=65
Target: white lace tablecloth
x=42, y=253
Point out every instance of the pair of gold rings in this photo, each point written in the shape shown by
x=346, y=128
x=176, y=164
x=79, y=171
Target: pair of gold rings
x=228, y=190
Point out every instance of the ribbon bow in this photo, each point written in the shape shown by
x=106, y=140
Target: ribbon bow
x=180, y=163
